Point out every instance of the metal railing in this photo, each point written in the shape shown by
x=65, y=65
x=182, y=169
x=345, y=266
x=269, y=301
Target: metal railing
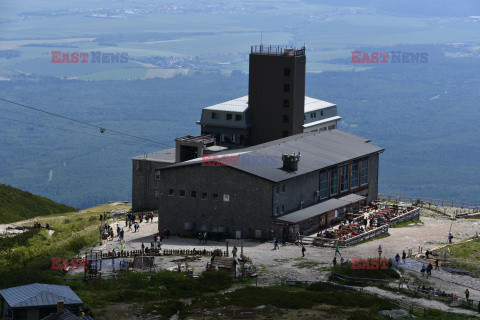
x=431, y=201
x=277, y=50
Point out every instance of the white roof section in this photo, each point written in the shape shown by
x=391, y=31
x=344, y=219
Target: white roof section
x=312, y=104
x=235, y=105
x=311, y=124
x=241, y=105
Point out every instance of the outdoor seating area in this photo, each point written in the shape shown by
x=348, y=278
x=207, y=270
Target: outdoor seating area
x=375, y=216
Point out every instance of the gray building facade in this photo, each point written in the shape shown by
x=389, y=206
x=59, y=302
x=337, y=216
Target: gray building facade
x=243, y=193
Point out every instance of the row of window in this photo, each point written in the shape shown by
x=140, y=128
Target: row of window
x=323, y=129
x=345, y=178
x=229, y=116
x=194, y=194
x=313, y=115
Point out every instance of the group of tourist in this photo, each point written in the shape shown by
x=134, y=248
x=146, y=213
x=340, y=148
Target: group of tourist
x=38, y=225
x=106, y=232
x=437, y=292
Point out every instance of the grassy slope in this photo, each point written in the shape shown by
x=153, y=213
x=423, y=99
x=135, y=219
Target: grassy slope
x=464, y=255
x=18, y=205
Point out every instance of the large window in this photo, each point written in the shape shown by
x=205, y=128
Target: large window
x=343, y=179
x=333, y=182
x=354, y=176
x=323, y=185
x=364, y=173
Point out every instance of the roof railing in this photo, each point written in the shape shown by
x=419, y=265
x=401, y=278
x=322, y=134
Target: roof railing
x=278, y=50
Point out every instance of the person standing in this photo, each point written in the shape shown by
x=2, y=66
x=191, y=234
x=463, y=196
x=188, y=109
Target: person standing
x=429, y=270
x=122, y=248
x=424, y=268
x=143, y=248
x=436, y=264
x=234, y=252
x=379, y=251
x=337, y=250
x=303, y=250
x=404, y=256
x=397, y=258
x=467, y=294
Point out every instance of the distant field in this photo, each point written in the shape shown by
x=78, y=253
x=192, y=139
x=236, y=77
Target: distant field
x=117, y=74
x=329, y=31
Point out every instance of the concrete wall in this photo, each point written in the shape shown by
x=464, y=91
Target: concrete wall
x=249, y=207
x=298, y=189
x=144, y=184
x=327, y=113
x=373, y=164
x=266, y=94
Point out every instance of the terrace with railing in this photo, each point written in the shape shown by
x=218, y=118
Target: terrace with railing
x=374, y=223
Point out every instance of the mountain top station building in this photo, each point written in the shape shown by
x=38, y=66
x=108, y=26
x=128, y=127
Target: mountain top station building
x=269, y=164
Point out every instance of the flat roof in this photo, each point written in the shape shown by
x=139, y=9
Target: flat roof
x=352, y=198
x=312, y=104
x=235, y=105
x=241, y=105
x=318, y=150
x=167, y=155
x=320, y=208
x=312, y=211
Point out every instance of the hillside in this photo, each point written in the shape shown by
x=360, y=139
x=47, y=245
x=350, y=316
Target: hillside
x=16, y=205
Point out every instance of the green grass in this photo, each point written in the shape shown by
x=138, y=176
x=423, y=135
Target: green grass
x=11, y=242
x=163, y=285
x=465, y=255
x=30, y=259
x=291, y=298
x=406, y=224
x=16, y=205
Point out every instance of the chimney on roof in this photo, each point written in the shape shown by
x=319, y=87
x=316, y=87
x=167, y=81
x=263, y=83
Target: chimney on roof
x=290, y=161
x=60, y=307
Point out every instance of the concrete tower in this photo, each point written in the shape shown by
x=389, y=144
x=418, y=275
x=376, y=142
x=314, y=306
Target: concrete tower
x=276, y=92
